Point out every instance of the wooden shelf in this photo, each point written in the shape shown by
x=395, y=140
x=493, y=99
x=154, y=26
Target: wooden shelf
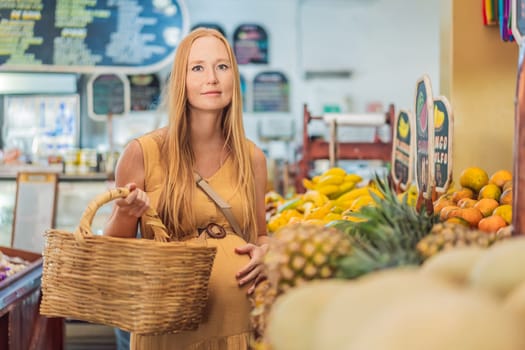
x=314, y=149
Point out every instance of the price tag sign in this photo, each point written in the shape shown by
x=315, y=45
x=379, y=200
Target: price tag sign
x=443, y=132
x=108, y=95
x=403, y=150
x=424, y=128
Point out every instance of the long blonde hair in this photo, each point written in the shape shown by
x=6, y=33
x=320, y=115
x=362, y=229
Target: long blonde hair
x=175, y=202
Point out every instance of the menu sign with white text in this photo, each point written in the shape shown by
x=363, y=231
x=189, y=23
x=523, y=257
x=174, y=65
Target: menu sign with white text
x=89, y=36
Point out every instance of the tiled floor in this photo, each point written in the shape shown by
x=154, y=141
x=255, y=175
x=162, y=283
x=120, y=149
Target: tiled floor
x=86, y=336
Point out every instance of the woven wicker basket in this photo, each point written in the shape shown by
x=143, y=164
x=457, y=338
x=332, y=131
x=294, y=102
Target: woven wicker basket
x=139, y=285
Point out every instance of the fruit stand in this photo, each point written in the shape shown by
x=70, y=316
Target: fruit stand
x=449, y=256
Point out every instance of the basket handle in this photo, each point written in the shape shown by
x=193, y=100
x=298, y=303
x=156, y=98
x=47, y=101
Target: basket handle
x=151, y=218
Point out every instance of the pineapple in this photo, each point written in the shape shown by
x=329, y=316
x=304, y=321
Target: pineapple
x=297, y=253
x=447, y=235
x=261, y=301
x=385, y=235
x=303, y=252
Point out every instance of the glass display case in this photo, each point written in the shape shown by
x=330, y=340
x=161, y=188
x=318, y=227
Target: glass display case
x=74, y=194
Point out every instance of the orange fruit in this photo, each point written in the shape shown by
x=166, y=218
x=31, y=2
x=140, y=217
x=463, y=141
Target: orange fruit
x=458, y=220
x=486, y=206
x=474, y=178
x=444, y=213
x=441, y=203
x=471, y=215
x=491, y=223
x=507, y=185
x=462, y=193
x=500, y=177
x=506, y=197
x=490, y=191
x=466, y=202
x=505, y=211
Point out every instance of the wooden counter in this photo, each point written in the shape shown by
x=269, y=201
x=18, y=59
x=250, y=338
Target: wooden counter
x=21, y=325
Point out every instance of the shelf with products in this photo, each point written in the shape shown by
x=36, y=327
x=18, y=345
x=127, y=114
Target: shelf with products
x=332, y=149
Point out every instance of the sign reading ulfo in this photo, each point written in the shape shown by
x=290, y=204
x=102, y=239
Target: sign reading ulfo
x=126, y=36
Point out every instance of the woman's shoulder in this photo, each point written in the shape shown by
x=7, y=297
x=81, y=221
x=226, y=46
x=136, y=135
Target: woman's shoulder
x=156, y=135
x=256, y=153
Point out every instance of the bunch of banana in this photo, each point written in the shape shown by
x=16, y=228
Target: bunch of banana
x=333, y=195
x=333, y=183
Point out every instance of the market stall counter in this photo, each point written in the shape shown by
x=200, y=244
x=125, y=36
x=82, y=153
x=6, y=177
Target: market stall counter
x=21, y=325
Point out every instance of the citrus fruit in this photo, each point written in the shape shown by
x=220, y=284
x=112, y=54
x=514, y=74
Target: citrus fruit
x=474, y=178
x=486, y=206
x=506, y=197
x=491, y=223
x=471, y=215
x=490, y=190
x=462, y=193
x=500, y=177
x=466, y=202
x=505, y=211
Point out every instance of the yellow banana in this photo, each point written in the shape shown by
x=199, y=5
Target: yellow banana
x=327, y=189
x=315, y=197
x=330, y=179
x=335, y=171
x=360, y=202
x=343, y=188
x=353, y=194
x=353, y=178
x=309, y=185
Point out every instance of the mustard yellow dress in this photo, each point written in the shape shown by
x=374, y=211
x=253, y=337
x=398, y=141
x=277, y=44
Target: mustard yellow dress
x=226, y=324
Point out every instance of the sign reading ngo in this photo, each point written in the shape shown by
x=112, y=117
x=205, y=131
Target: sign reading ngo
x=90, y=36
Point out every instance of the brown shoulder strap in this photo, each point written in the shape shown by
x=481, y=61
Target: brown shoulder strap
x=222, y=204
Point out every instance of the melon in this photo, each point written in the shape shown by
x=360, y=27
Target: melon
x=292, y=318
x=515, y=303
x=451, y=320
x=453, y=265
x=500, y=269
x=361, y=300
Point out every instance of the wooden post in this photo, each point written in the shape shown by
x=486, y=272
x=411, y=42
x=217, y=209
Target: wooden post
x=518, y=199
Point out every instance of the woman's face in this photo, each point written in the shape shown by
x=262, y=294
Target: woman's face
x=209, y=77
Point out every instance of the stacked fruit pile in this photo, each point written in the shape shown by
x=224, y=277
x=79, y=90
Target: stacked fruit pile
x=386, y=233
x=459, y=299
x=483, y=201
x=333, y=195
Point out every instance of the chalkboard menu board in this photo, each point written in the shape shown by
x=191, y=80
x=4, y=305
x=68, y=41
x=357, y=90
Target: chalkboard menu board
x=90, y=36
x=108, y=95
x=250, y=43
x=144, y=92
x=271, y=92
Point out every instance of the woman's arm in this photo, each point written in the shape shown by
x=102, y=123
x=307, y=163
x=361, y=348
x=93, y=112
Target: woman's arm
x=261, y=180
x=126, y=212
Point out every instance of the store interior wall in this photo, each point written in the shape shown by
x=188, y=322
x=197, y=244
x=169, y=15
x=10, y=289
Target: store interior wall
x=478, y=76
x=386, y=45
